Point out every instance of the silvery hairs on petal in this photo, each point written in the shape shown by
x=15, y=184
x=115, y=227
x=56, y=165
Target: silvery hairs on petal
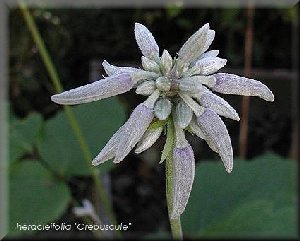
x=216, y=132
x=183, y=177
x=113, y=70
x=146, y=88
x=146, y=41
x=136, y=126
x=108, y=151
x=162, y=108
x=234, y=84
x=218, y=104
x=196, y=129
x=134, y=129
x=209, y=65
x=148, y=139
x=98, y=90
x=196, y=45
x=209, y=54
x=183, y=114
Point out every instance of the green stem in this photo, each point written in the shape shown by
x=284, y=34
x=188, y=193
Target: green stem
x=176, y=229
x=68, y=111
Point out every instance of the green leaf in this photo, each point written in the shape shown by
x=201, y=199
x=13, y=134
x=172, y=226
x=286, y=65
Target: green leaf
x=257, y=199
x=35, y=196
x=60, y=148
x=24, y=134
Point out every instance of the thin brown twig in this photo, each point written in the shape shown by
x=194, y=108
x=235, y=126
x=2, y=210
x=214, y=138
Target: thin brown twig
x=243, y=139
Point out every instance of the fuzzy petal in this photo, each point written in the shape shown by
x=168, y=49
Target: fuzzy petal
x=148, y=139
x=146, y=41
x=210, y=54
x=234, y=84
x=196, y=45
x=163, y=109
x=196, y=129
x=146, y=88
x=108, y=152
x=217, y=104
x=183, y=178
x=216, y=132
x=207, y=66
x=183, y=114
x=98, y=90
x=134, y=129
x=114, y=70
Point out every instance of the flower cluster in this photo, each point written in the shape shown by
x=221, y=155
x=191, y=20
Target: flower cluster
x=178, y=89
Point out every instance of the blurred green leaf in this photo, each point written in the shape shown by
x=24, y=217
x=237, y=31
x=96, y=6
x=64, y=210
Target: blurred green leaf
x=173, y=10
x=257, y=199
x=23, y=135
x=35, y=196
x=98, y=121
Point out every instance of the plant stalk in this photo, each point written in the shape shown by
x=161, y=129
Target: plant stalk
x=176, y=229
x=45, y=56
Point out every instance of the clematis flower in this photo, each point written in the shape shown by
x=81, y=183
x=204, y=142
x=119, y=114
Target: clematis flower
x=182, y=89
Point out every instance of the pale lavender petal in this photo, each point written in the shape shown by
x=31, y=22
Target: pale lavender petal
x=209, y=54
x=196, y=45
x=114, y=70
x=217, y=104
x=196, y=129
x=108, y=152
x=237, y=85
x=98, y=90
x=183, y=114
x=134, y=129
x=148, y=139
x=146, y=41
x=163, y=108
x=216, y=133
x=207, y=66
x=183, y=177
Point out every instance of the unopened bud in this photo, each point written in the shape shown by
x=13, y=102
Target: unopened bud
x=191, y=86
x=183, y=114
x=150, y=65
x=163, y=84
x=162, y=109
x=146, y=88
x=166, y=62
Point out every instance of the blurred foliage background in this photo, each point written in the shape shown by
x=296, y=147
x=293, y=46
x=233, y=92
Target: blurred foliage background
x=48, y=174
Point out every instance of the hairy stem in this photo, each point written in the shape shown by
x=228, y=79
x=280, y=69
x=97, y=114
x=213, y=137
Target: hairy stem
x=68, y=111
x=176, y=229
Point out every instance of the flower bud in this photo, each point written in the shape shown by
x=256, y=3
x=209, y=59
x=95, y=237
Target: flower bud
x=191, y=86
x=146, y=88
x=162, y=109
x=166, y=62
x=148, y=139
x=150, y=65
x=207, y=66
x=183, y=178
x=163, y=83
x=183, y=114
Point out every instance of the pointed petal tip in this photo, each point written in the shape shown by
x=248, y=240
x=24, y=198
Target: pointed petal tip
x=57, y=98
x=206, y=25
x=236, y=117
x=270, y=97
x=95, y=163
